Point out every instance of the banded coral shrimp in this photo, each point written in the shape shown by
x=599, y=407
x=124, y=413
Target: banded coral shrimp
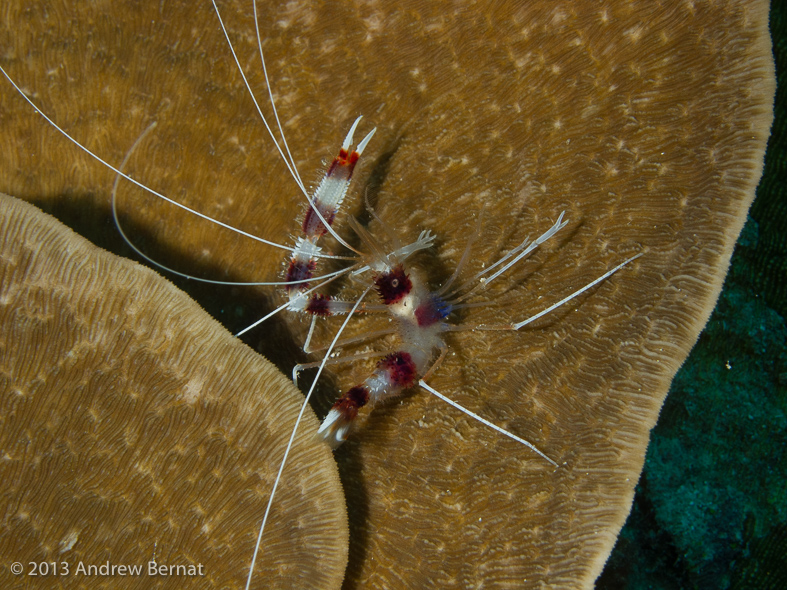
x=429, y=161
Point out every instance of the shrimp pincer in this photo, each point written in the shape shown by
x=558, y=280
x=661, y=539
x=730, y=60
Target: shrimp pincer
x=324, y=206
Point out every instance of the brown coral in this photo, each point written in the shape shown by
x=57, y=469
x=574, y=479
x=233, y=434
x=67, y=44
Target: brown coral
x=645, y=121
x=135, y=429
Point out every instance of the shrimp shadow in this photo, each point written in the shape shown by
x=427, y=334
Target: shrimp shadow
x=375, y=181
x=355, y=481
x=235, y=307
x=349, y=458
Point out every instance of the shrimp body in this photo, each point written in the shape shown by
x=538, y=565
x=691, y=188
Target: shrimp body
x=420, y=317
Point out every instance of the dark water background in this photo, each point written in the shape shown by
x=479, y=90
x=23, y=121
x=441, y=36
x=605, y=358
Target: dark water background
x=711, y=505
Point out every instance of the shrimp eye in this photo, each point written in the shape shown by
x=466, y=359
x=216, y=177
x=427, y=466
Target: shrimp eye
x=393, y=285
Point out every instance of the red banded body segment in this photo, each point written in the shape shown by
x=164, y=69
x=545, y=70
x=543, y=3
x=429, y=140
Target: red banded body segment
x=399, y=370
x=432, y=310
x=394, y=285
x=298, y=274
x=394, y=373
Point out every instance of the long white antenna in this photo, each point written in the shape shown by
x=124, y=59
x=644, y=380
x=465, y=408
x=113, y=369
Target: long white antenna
x=273, y=102
x=533, y=318
x=574, y=294
x=294, y=430
x=276, y=143
x=139, y=184
x=461, y=408
x=287, y=162
x=192, y=277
